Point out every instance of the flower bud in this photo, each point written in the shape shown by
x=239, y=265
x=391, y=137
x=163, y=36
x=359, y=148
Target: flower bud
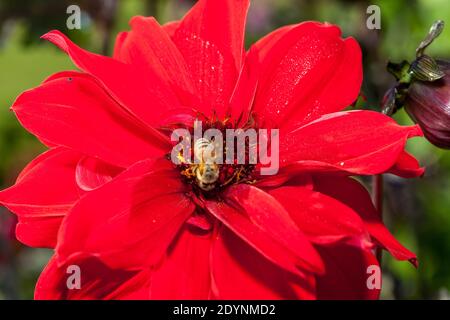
x=428, y=104
x=423, y=89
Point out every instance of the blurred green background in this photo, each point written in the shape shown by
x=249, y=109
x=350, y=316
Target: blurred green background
x=417, y=211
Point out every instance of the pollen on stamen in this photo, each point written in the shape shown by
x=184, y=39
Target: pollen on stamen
x=206, y=175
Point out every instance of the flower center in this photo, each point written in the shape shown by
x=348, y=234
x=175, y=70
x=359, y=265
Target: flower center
x=214, y=161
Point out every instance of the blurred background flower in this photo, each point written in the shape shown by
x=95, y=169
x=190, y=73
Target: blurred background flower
x=416, y=210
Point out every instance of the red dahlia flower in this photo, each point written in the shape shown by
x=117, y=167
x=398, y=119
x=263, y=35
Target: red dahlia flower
x=106, y=197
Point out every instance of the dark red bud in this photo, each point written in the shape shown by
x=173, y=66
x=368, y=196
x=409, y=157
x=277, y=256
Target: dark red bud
x=428, y=104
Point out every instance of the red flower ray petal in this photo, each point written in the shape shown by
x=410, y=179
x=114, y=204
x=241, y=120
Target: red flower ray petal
x=142, y=95
x=407, y=166
x=149, y=48
x=185, y=272
x=307, y=71
x=240, y=272
x=347, y=274
x=323, y=219
x=346, y=140
x=130, y=221
x=43, y=194
x=263, y=223
x=97, y=281
x=212, y=50
x=92, y=173
x=354, y=195
x=70, y=109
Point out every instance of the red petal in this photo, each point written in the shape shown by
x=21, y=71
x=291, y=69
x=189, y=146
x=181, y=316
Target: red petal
x=347, y=274
x=298, y=169
x=171, y=27
x=97, y=281
x=323, y=219
x=220, y=22
x=200, y=220
x=407, y=166
x=266, y=43
x=306, y=71
x=240, y=272
x=263, y=223
x=130, y=221
x=360, y=142
x=43, y=194
x=355, y=196
x=150, y=49
x=211, y=39
x=244, y=93
x=92, y=173
x=120, y=39
x=70, y=109
x=185, y=272
x=144, y=95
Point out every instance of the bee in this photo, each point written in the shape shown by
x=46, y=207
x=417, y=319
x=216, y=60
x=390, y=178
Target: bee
x=207, y=170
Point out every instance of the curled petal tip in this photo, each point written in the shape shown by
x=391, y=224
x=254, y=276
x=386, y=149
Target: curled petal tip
x=57, y=38
x=414, y=262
